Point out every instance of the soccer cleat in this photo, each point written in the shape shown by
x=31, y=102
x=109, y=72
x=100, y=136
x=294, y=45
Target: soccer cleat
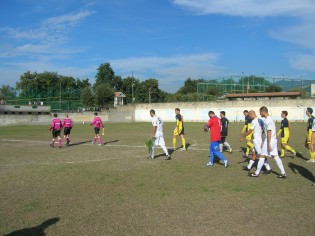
x=267, y=172
x=252, y=175
x=209, y=164
x=230, y=150
x=245, y=168
x=168, y=157
x=282, y=176
x=183, y=149
x=68, y=142
x=226, y=163
x=311, y=161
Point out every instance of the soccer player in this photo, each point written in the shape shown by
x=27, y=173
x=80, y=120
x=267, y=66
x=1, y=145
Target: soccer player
x=247, y=125
x=269, y=146
x=310, y=123
x=55, y=127
x=214, y=124
x=97, y=124
x=285, y=134
x=224, y=132
x=67, y=124
x=257, y=129
x=179, y=130
x=157, y=135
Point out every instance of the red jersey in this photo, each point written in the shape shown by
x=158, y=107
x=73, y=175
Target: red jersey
x=97, y=122
x=56, y=124
x=67, y=123
x=214, y=124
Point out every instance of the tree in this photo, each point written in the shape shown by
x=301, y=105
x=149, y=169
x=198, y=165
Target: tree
x=148, y=91
x=273, y=88
x=87, y=98
x=7, y=92
x=104, y=95
x=190, y=86
x=105, y=75
x=129, y=88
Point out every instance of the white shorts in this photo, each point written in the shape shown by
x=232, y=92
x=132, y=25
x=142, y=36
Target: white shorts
x=257, y=145
x=274, y=148
x=159, y=139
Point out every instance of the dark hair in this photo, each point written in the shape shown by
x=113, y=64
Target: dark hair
x=95, y=113
x=222, y=112
x=152, y=111
x=285, y=112
x=310, y=110
x=177, y=109
x=55, y=115
x=211, y=112
x=264, y=109
x=245, y=111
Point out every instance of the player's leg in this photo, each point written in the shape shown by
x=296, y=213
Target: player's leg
x=226, y=144
x=52, y=144
x=96, y=131
x=283, y=147
x=274, y=154
x=161, y=142
x=261, y=159
x=289, y=148
x=308, y=145
x=183, y=140
x=59, y=139
x=174, y=141
x=211, y=155
x=255, y=153
x=216, y=152
x=221, y=144
x=100, y=141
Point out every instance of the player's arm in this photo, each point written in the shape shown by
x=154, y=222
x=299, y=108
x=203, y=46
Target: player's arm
x=153, y=132
x=51, y=126
x=269, y=139
x=244, y=129
x=245, y=134
x=279, y=132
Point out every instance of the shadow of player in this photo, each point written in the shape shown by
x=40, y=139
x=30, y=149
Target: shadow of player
x=299, y=155
x=302, y=171
x=114, y=141
x=35, y=231
x=79, y=143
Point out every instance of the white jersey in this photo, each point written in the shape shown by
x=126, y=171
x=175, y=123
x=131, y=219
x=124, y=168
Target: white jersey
x=257, y=126
x=270, y=125
x=158, y=122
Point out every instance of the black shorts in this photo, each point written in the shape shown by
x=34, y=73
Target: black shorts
x=55, y=133
x=223, y=139
x=97, y=130
x=66, y=130
x=182, y=132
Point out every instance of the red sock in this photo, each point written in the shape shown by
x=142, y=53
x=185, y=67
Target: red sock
x=59, y=142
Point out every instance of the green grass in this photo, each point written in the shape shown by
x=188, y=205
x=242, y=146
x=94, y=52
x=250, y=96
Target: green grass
x=116, y=190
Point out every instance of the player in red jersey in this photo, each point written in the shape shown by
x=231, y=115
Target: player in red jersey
x=97, y=123
x=67, y=124
x=214, y=124
x=55, y=127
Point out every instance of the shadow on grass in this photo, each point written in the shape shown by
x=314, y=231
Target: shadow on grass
x=302, y=171
x=170, y=151
x=113, y=141
x=299, y=155
x=35, y=231
x=79, y=143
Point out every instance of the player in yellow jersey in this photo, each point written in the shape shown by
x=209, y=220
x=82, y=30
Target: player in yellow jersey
x=179, y=130
x=284, y=131
x=247, y=125
x=308, y=141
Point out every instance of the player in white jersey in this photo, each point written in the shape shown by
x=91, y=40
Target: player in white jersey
x=269, y=147
x=256, y=128
x=157, y=135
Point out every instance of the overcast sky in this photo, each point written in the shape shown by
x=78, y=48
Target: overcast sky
x=170, y=40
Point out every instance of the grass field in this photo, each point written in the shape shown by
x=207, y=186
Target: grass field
x=114, y=189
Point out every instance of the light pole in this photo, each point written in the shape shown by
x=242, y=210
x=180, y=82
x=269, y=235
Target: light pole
x=149, y=95
x=132, y=92
x=242, y=82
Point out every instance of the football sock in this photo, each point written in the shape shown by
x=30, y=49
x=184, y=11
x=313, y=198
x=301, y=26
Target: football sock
x=250, y=164
x=266, y=164
x=311, y=155
x=94, y=139
x=164, y=149
x=250, y=146
x=152, y=151
x=174, y=143
x=279, y=164
x=221, y=147
x=260, y=165
x=282, y=151
x=59, y=142
x=289, y=149
x=227, y=145
x=100, y=140
x=53, y=142
x=184, y=143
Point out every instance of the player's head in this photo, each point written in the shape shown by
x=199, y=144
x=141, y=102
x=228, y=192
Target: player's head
x=152, y=113
x=67, y=116
x=211, y=114
x=309, y=111
x=177, y=110
x=222, y=113
x=245, y=112
x=252, y=114
x=284, y=114
x=263, y=111
x=55, y=115
x=95, y=114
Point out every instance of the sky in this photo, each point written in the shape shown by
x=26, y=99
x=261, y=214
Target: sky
x=169, y=40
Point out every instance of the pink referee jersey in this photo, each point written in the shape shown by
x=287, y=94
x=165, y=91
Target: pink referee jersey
x=97, y=122
x=67, y=123
x=56, y=124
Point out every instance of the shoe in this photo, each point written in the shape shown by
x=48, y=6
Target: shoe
x=252, y=175
x=294, y=154
x=311, y=160
x=209, y=164
x=93, y=143
x=68, y=141
x=59, y=146
x=149, y=157
x=168, y=157
x=52, y=145
x=226, y=163
x=245, y=168
x=183, y=149
x=267, y=172
x=282, y=176
x=100, y=144
x=230, y=150
x=245, y=155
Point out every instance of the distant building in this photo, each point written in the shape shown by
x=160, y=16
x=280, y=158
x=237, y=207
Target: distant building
x=119, y=99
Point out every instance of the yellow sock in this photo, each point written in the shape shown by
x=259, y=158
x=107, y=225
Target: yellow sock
x=184, y=143
x=174, y=142
x=282, y=151
x=312, y=155
x=250, y=145
x=247, y=150
x=289, y=148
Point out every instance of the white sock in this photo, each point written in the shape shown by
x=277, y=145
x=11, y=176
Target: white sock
x=266, y=164
x=250, y=164
x=279, y=164
x=227, y=145
x=152, y=151
x=164, y=149
x=260, y=165
x=221, y=147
